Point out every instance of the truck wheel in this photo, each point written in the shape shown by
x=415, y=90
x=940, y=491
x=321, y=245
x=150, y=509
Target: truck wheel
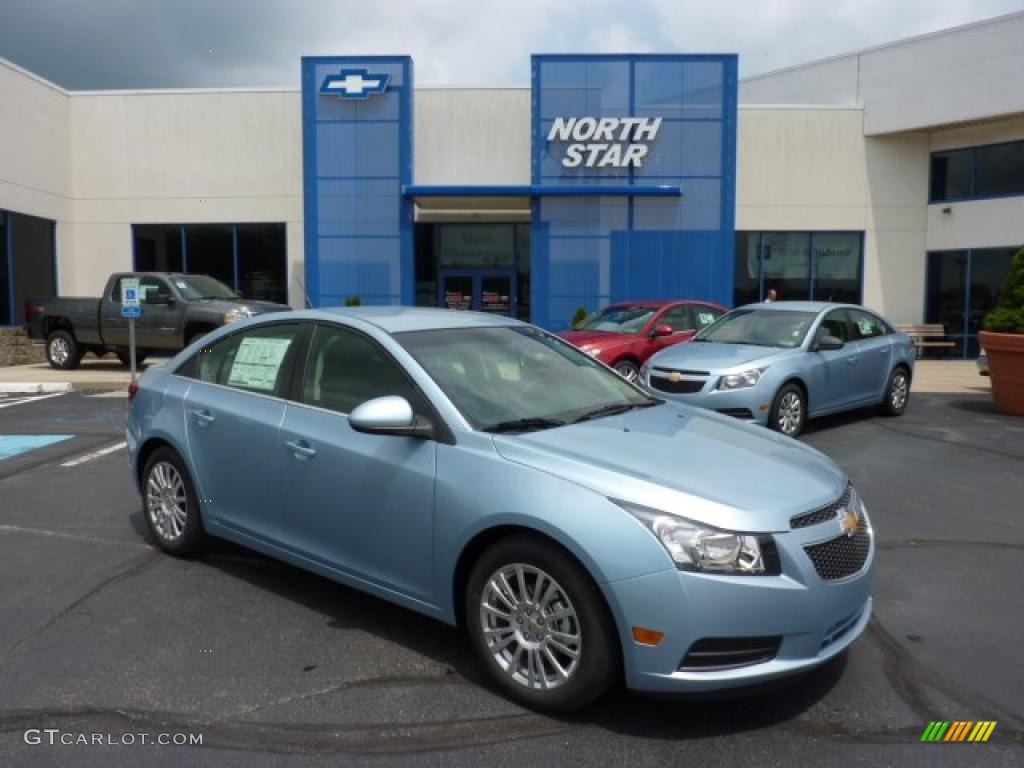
x=62, y=351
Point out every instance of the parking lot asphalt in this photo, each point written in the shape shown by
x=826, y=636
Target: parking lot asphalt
x=101, y=633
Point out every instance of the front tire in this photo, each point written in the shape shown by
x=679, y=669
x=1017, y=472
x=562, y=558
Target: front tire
x=171, y=505
x=540, y=626
x=62, y=351
x=627, y=369
x=897, y=393
x=789, y=411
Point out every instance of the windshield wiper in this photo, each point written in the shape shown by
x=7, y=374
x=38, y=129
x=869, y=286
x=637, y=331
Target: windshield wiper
x=612, y=409
x=523, y=425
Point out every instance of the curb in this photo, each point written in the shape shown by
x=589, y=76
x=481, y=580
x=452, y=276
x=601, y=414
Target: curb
x=34, y=388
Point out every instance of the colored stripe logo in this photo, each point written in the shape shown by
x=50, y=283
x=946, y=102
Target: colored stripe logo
x=958, y=730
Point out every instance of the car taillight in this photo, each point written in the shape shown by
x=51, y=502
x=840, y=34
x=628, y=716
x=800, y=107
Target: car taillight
x=33, y=309
x=133, y=389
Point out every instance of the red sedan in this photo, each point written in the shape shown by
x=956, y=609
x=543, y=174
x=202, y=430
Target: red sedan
x=625, y=335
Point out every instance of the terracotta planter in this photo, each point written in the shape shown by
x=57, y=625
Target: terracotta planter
x=1006, y=363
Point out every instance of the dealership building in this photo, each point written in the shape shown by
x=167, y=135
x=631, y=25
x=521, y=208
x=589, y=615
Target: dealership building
x=893, y=177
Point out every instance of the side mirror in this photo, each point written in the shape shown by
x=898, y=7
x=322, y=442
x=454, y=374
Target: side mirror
x=828, y=343
x=661, y=330
x=389, y=415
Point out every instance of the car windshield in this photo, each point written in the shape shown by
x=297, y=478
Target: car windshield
x=518, y=379
x=760, y=327
x=618, y=319
x=194, y=287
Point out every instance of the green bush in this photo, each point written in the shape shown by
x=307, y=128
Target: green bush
x=1008, y=315
x=579, y=317
x=353, y=301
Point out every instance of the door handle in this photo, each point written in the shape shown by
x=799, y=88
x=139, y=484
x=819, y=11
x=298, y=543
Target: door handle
x=301, y=449
x=204, y=417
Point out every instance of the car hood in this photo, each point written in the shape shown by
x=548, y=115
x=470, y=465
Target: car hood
x=226, y=305
x=710, y=356
x=584, y=339
x=688, y=462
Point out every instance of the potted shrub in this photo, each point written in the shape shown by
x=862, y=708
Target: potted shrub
x=353, y=301
x=1002, y=338
x=579, y=316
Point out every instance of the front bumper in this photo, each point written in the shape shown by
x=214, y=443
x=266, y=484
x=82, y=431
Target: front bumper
x=812, y=619
x=750, y=404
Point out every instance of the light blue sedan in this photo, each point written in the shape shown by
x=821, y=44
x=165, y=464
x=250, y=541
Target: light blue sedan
x=781, y=363
x=483, y=472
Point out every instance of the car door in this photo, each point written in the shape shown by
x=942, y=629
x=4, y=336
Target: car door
x=160, y=326
x=875, y=349
x=233, y=413
x=835, y=371
x=359, y=503
x=113, y=327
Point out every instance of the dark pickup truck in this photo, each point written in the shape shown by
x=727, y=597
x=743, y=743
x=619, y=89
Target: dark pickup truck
x=177, y=309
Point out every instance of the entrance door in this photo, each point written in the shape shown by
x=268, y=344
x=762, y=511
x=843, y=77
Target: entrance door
x=482, y=290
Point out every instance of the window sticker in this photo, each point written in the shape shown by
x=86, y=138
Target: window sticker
x=866, y=327
x=706, y=318
x=257, y=362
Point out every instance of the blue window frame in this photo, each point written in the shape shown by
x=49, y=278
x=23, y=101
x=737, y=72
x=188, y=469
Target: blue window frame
x=977, y=173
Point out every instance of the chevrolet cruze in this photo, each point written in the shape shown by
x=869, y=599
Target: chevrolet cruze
x=483, y=472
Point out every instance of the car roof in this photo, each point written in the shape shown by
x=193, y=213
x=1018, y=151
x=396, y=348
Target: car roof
x=394, y=319
x=658, y=303
x=798, y=306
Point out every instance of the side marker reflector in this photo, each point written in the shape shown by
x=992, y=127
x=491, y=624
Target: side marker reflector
x=645, y=636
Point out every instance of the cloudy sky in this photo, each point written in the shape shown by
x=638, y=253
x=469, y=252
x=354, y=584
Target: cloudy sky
x=86, y=44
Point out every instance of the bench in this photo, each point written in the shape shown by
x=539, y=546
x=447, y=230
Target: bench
x=926, y=335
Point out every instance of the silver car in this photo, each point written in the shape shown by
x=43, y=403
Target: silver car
x=781, y=363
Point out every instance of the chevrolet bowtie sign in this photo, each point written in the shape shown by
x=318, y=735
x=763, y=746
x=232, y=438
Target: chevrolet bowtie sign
x=605, y=142
x=355, y=84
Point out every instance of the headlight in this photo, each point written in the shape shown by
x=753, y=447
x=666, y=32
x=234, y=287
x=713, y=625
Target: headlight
x=743, y=380
x=237, y=314
x=699, y=547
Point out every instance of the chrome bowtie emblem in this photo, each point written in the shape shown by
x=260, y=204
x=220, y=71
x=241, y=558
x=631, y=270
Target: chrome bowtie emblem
x=675, y=376
x=849, y=521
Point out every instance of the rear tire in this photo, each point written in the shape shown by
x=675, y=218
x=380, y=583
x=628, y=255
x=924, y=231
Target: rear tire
x=170, y=504
x=897, y=393
x=62, y=351
x=789, y=411
x=556, y=618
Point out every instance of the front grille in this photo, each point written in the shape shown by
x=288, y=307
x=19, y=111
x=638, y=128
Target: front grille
x=681, y=387
x=717, y=653
x=840, y=629
x=822, y=515
x=842, y=556
x=737, y=413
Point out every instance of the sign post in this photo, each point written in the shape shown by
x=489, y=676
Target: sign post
x=131, y=308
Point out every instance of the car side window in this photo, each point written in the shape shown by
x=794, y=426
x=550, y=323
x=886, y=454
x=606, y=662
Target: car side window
x=706, y=315
x=256, y=360
x=115, y=291
x=836, y=324
x=346, y=368
x=678, y=318
x=866, y=326
x=152, y=290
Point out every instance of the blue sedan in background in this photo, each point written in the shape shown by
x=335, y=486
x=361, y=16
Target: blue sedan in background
x=781, y=363
x=483, y=472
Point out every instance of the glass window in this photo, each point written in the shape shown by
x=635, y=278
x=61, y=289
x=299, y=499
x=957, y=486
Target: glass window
x=989, y=269
x=193, y=287
x=256, y=360
x=864, y=325
x=345, y=369
x=35, y=272
x=476, y=245
x=786, y=262
x=262, y=262
x=158, y=248
x=211, y=251
x=760, y=327
x=951, y=175
x=523, y=271
x=945, y=301
x=1000, y=170
x=679, y=318
x=618, y=318
x=6, y=315
x=517, y=379
x=706, y=315
x=837, y=267
x=153, y=290
x=747, y=285
x=837, y=323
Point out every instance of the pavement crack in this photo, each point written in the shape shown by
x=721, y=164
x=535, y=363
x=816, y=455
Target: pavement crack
x=912, y=543
x=946, y=441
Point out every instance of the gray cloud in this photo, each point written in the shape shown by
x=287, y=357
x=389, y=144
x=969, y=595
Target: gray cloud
x=162, y=43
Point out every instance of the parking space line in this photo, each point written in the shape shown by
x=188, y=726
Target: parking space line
x=28, y=399
x=70, y=536
x=95, y=454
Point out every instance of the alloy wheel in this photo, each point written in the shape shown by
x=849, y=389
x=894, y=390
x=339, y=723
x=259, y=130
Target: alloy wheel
x=60, y=350
x=530, y=627
x=899, y=391
x=166, y=501
x=628, y=371
x=791, y=411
